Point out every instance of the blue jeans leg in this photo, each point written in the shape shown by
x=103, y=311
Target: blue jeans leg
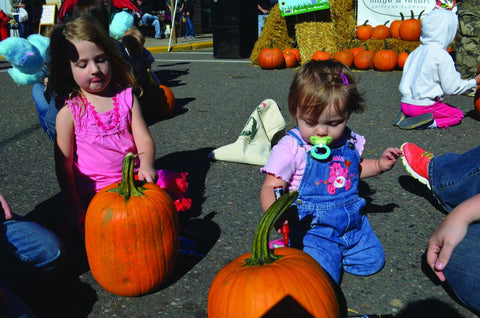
x=29, y=253
x=463, y=270
x=189, y=26
x=16, y=308
x=47, y=111
x=149, y=19
x=455, y=178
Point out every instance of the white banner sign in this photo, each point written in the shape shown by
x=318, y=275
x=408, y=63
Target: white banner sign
x=380, y=11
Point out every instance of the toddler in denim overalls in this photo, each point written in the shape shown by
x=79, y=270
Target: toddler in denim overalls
x=330, y=225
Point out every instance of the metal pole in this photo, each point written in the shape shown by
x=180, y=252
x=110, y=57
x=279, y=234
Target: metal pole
x=173, y=4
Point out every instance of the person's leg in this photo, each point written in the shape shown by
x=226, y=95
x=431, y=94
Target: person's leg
x=29, y=253
x=463, y=271
x=11, y=306
x=455, y=178
x=365, y=255
x=21, y=27
x=446, y=115
x=158, y=29
x=189, y=27
x=47, y=111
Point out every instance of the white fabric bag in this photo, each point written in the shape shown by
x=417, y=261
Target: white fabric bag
x=22, y=15
x=254, y=144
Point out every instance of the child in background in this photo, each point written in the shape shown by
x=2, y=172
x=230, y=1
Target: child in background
x=331, y=225
x=453, y=248
x=429, y=74
x=101, y=120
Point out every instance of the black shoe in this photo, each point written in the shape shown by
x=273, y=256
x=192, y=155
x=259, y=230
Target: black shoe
x=417, y=122
x=398, y=118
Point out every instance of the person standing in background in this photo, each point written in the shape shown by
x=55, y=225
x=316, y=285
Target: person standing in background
x=187, y=11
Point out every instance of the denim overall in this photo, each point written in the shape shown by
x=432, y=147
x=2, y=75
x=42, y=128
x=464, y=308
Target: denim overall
x=330, y=225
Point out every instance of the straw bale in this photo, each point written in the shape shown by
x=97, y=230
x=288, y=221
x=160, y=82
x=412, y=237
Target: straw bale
x=315, y=36
x=396, y=45
x=274, y=31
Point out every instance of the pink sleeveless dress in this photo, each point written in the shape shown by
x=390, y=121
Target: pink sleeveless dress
x=101, y=142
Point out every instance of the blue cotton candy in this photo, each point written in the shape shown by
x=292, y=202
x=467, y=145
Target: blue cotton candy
x=41, y=43
x=25, y=79
x=121, y=22
x=22, y=54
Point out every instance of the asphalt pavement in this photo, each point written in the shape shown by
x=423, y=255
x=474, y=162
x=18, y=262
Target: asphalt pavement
x=214, y=99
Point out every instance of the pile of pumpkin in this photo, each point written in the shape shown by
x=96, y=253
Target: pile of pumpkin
x=361, y=56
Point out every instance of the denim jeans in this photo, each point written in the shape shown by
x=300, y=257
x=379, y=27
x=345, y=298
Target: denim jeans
x=150, y=19
x=29, y=254
x=47, y=111
x=16, y=308
x=455, y=178
x=189, y=27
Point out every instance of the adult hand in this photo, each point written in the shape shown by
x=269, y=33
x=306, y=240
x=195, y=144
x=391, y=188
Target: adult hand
x=7, y=212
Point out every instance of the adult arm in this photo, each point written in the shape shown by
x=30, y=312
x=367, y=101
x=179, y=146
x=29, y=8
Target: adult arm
x=145, y=145
x=450, y=233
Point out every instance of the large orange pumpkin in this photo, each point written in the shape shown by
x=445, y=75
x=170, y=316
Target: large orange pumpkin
x=271, y=58
x=385, y=59
x=157, y=102
x=411, y=29
x=131, y=235
x=167, y=101
x=364, y=31
x=290, y=58
x=286, y=281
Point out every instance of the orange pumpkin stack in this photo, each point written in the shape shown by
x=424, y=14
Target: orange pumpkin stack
x=131, y=235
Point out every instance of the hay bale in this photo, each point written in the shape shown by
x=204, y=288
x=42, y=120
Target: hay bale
x=274, y=31
x=315, y=36
x=397, y=45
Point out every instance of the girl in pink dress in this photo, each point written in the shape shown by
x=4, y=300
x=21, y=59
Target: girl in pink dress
x=101, y=120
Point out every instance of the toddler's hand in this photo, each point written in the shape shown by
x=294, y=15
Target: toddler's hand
x=7, y=212
x=389, y=158
x=148, y=174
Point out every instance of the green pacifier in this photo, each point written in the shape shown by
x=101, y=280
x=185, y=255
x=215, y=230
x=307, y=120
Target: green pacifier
x=320, y=149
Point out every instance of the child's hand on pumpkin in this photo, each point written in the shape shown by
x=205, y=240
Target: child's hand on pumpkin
x=147, y=173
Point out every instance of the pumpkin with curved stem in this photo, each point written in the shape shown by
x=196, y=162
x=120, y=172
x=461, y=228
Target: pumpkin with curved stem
x=364, y=59
x=344, y=56
x=265, y=281
x=166, y=102
x=395, y=27
x=364, y=31
x=381, y=32
x=411, y=29
x=385, y=59
x=131, y=235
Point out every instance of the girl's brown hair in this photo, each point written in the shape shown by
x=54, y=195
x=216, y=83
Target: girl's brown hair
x=62, y=51
x=319, y=84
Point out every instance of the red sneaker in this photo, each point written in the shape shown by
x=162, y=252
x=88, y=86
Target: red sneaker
x=415, y=160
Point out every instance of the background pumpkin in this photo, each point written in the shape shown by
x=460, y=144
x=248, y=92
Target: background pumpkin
x=411, y=29
x=131, y=235
x=402, y=58
x=385, y=59
x=395, y=27
x=381, y=32
x=364, y=31
x=260, y=282
x=364, y=59
x=321, y=56
x=270, y=58
x=344, y=56
x=290, y=58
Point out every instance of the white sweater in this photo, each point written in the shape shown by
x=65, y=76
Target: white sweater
x=429, y=72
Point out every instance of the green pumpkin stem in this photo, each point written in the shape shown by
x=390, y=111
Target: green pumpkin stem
x=261, y=254
x=127, y=187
